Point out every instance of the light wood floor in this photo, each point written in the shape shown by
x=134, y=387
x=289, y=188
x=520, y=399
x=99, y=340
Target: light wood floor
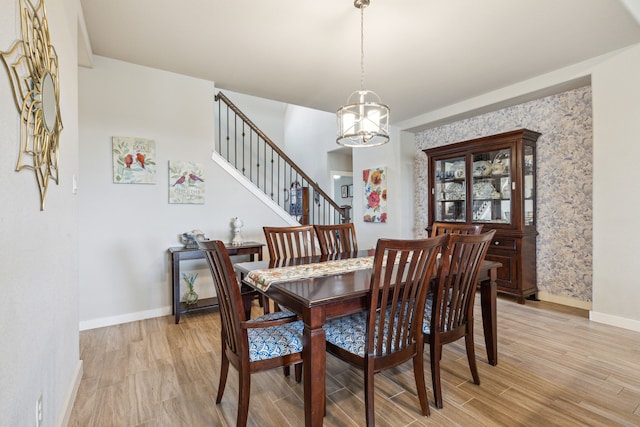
x=556, y=368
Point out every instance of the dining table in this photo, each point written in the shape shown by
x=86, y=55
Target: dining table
x=316, y=293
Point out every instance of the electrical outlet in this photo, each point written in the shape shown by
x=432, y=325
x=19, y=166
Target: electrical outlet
x=39, y=411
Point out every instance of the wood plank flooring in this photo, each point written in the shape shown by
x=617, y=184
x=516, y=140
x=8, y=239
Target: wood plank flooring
x=556, y=368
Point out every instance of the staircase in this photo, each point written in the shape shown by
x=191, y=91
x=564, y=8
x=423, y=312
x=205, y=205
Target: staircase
x=253, y=155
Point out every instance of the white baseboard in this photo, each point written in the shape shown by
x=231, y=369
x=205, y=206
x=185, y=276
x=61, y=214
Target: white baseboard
x=620, y=322
x=568, y=301
x=63, y=421
x=123, y=318
x=607, y=319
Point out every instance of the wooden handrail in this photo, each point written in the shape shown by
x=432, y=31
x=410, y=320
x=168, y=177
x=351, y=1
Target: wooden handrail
x=274, y=147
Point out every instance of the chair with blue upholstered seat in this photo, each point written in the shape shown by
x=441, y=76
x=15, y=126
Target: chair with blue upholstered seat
x=337, y=238
x=266, y=342
x=290, y=242
x=448, y=314
x=390, y=332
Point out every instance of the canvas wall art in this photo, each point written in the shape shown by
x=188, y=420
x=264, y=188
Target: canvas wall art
x=134, y=160
x=186, y=182
x=375, y=194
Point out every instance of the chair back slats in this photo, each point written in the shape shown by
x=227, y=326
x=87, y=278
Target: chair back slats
x=228, y=293
x=401, y=272
x=290, y=242
x=337, y=238
x=457, y=281
x=439, y=228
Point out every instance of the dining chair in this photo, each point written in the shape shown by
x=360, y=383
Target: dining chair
x=389, y=333
x=290, y=242
x=438, y=228
x=266, y=342
x=337, y=238
x=287, y=243
x=448, y=313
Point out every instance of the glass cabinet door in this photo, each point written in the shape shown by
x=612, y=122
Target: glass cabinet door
x=529, y=187
x=450, y=190
x=491, y=186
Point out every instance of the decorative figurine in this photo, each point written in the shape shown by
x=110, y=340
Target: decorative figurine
x=237, y=229
x=191, y=238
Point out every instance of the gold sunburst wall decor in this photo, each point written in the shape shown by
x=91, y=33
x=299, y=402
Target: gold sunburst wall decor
x=32, y=66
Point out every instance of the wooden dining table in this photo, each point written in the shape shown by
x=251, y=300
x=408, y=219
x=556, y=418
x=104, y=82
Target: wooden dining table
x=318, y=299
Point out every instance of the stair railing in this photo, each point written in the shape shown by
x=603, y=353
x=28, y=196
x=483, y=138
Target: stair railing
x=259, y=159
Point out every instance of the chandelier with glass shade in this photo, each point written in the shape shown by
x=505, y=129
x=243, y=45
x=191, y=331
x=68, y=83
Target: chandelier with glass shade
x=364, y=120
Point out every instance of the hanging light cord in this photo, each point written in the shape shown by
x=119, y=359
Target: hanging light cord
x=362, y=6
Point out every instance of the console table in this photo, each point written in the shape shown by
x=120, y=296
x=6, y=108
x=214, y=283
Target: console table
x=180, y=253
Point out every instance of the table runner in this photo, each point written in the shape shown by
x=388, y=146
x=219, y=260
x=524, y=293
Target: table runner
x=262, y=279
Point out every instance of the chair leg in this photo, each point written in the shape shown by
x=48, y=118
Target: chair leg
x=471, y=356
x=244, y=391
x=368, y=395
x=298, y=372
x=265, y=304
x=224, y=369
x=418, y=373
x=435, y=352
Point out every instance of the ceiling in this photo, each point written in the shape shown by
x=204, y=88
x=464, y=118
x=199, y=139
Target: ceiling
x=420, y=55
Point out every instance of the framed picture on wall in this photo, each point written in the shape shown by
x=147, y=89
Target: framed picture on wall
x=134, y=160
x=375, y=194
x=350, y=190
x=344, y=190
x=186, y=182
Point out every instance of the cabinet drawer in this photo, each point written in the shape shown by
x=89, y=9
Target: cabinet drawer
x=504, y=243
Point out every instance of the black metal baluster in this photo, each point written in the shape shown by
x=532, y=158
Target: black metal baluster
x=227, y=135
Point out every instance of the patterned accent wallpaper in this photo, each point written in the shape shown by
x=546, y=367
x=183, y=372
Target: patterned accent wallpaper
x=564, y=179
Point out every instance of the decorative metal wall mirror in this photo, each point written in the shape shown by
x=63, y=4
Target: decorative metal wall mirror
x=32, y=66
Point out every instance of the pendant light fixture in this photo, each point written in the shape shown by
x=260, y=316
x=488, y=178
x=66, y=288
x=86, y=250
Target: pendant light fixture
x=364, y=120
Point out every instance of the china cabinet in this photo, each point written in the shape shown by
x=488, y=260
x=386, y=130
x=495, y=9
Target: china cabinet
x=491, y=181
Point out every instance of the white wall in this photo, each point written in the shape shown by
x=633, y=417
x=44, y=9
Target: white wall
x=309, y=136
x=337, y=190
x=268, y=115
x=399, y=163
x=616, y=195
x=126, y=228
x=39, y=341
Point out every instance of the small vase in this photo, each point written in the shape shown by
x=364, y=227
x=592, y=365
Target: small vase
x=191, y=298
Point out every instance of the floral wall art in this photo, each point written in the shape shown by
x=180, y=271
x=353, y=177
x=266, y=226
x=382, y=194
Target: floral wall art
x=134, y=160
x=186, y=182
x=375, y=194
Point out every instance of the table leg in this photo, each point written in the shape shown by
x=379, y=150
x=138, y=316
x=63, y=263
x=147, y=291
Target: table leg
x=488, y=295
x=314, y=372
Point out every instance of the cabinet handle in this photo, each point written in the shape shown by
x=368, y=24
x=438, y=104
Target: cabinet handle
x=496, y=243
